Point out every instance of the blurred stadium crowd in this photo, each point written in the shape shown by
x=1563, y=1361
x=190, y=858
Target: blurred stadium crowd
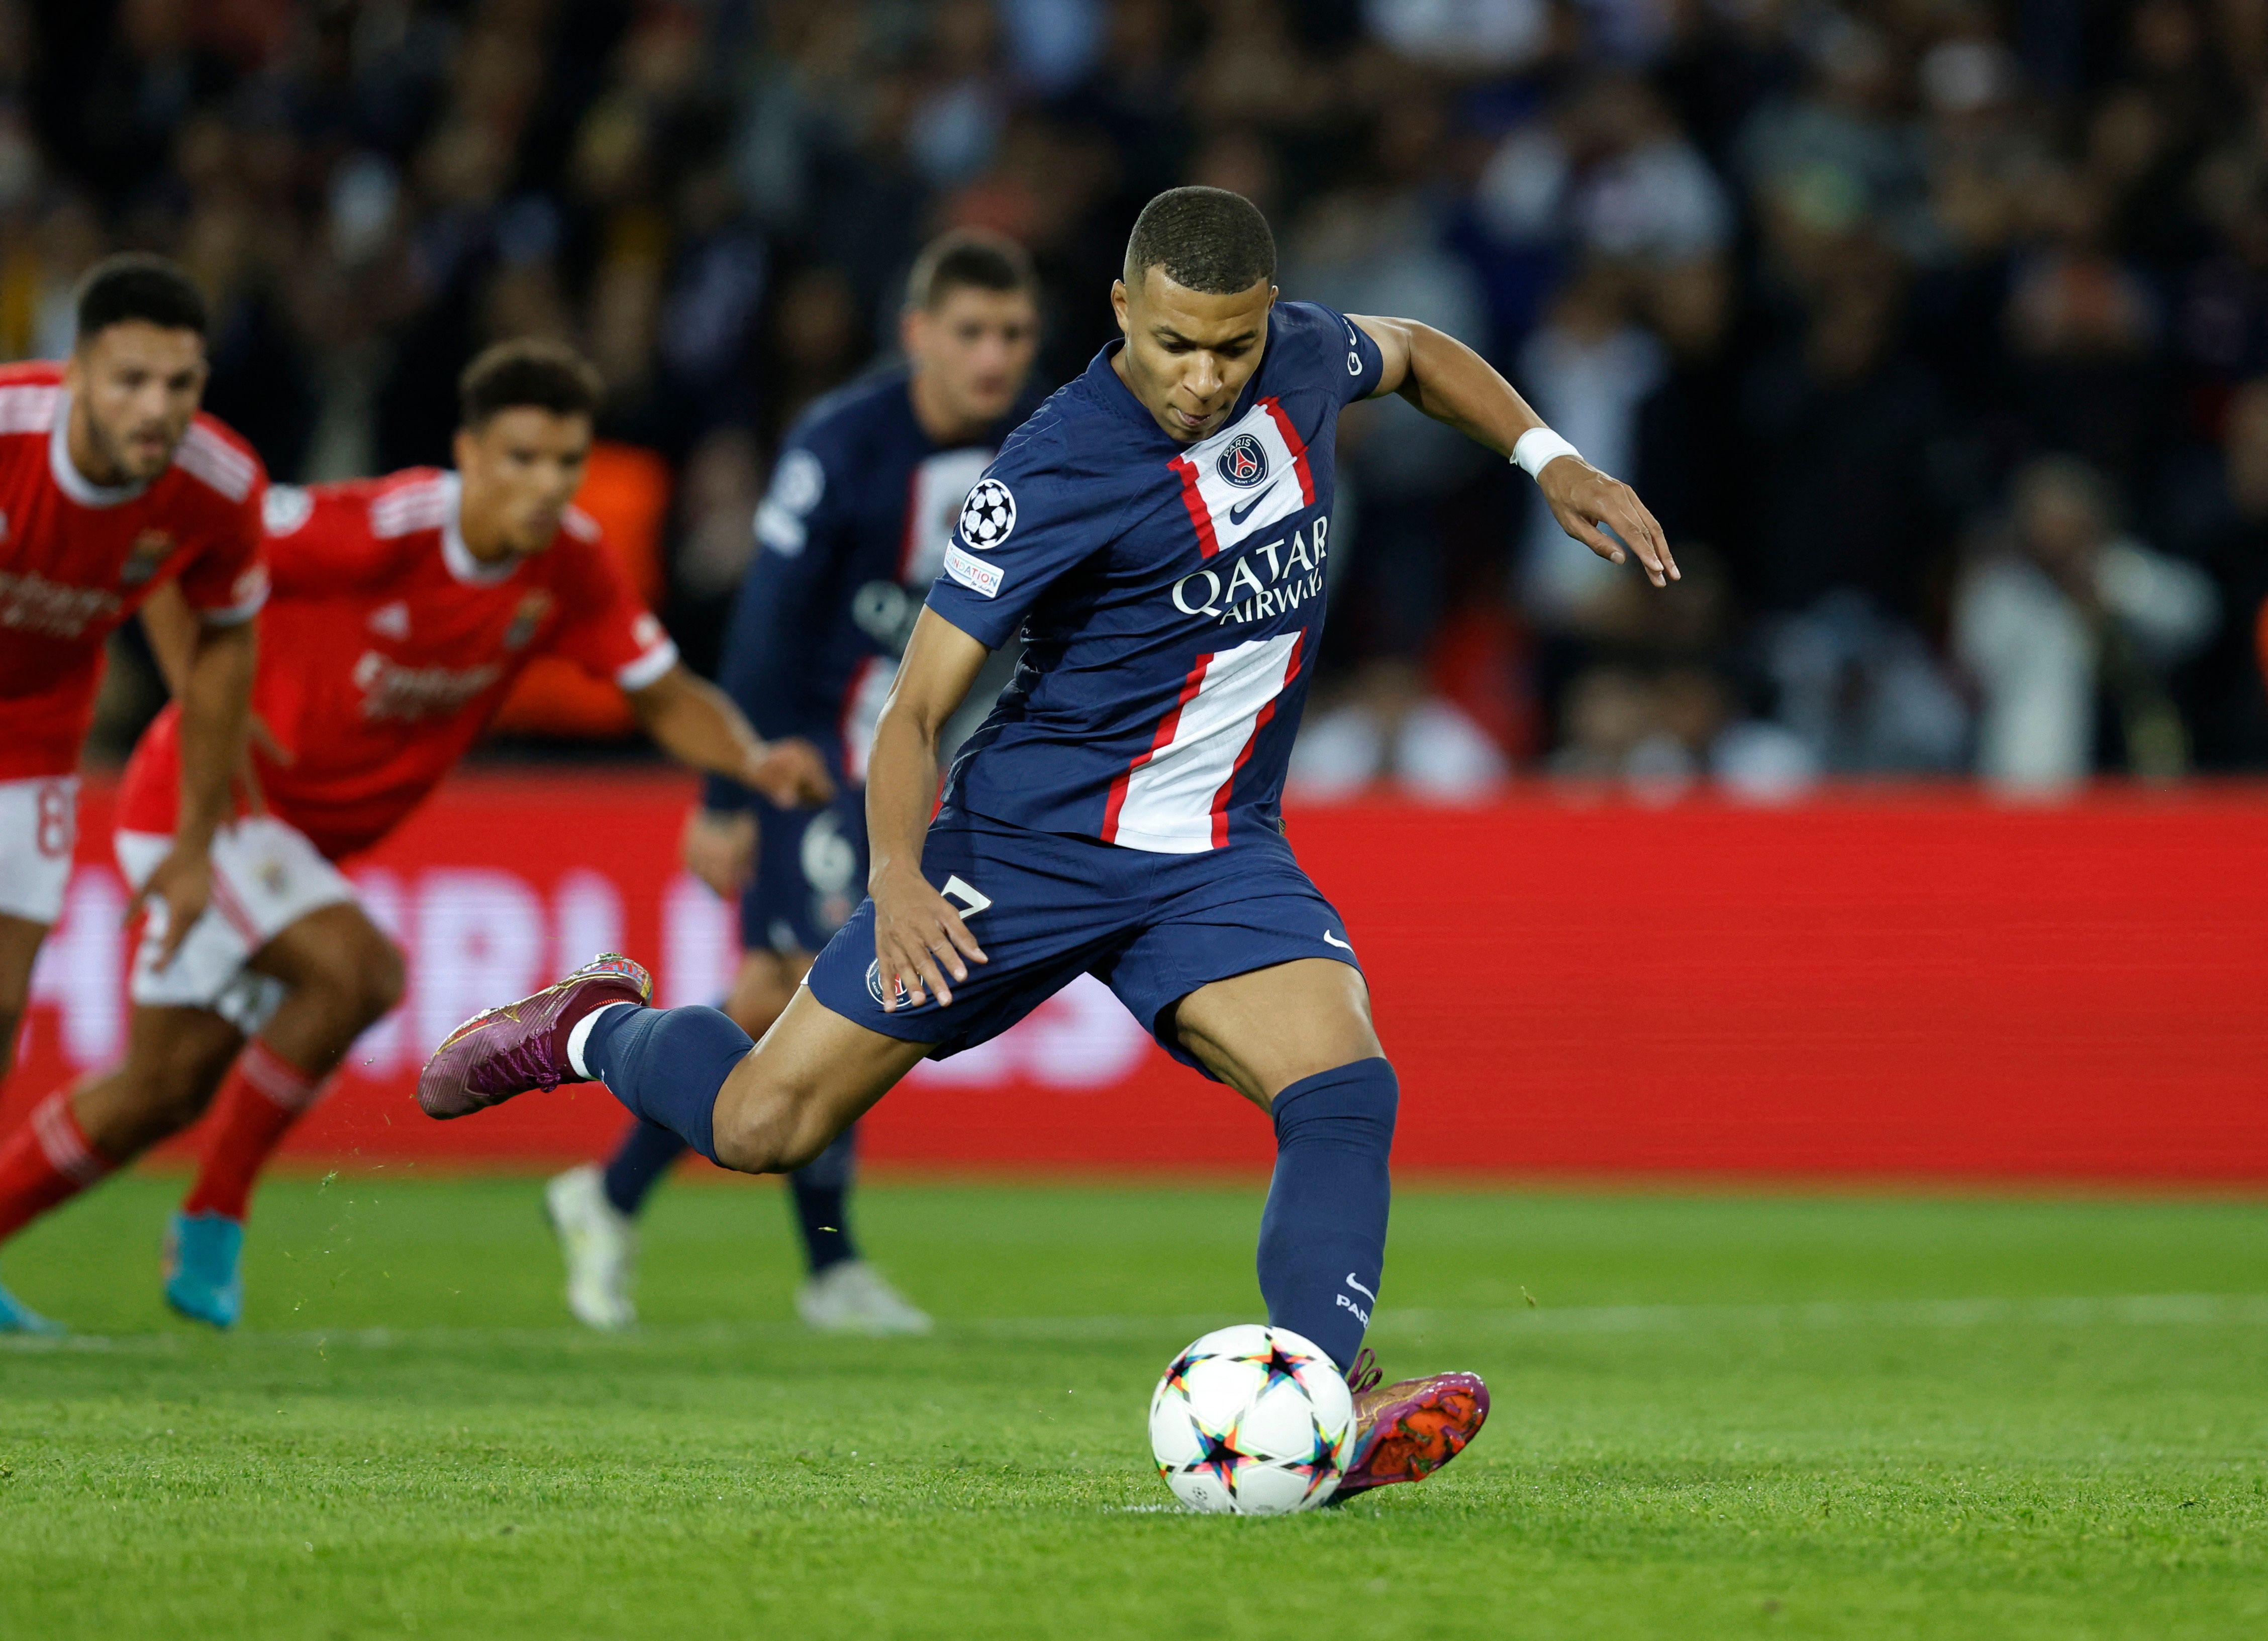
x=1935, y=331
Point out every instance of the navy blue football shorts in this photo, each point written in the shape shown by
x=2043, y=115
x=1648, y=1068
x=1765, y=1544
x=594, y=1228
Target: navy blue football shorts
x=810, y=873
x=1047, y=908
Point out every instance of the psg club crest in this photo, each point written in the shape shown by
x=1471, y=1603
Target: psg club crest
x=1245, y=462
x=874, y=986
x=988, y=515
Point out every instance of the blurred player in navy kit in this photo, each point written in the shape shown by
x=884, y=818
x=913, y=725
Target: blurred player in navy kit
x=851, y=535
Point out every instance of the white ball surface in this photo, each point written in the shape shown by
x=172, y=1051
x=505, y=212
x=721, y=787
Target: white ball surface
x=1252, y=1421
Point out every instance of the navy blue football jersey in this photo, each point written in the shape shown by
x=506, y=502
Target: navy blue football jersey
x=1170, y=598
x=849, y=536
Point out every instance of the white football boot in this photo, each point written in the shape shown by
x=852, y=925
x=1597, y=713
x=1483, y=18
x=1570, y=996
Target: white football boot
x=599, y=1244
x=849, y=1297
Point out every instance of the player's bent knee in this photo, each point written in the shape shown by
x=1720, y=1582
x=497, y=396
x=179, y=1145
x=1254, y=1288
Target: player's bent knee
x=765, y=1127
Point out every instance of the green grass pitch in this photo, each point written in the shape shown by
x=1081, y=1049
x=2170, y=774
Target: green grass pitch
x=1724, y=1416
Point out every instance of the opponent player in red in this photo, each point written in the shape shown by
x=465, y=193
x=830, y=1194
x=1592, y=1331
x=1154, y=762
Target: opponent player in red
x=404, y=608
x=111, y=485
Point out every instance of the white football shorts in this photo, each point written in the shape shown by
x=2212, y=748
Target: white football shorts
x=39, y=826
x=266, y=876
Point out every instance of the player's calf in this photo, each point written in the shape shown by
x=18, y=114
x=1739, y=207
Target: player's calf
x=687, y=1070
x=175, y=1059
x=1322, y=1235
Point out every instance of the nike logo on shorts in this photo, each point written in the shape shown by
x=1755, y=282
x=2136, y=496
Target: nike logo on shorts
x=1331, y=939
x=1238, y=515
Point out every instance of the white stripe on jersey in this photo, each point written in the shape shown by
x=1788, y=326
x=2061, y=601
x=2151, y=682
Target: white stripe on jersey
x=28, y=408
x=204, y=454
x=1174, y=799
x=1223, y=511
x=423, y=506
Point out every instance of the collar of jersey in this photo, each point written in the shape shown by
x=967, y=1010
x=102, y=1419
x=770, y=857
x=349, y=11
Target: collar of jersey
x=458, y=557
x=1118, y=396
x=72, y=483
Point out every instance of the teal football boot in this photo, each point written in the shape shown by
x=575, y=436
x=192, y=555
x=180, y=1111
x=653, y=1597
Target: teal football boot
x=203, y=1279
x=16, y=1317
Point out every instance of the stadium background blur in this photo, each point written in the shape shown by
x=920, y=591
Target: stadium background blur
x=1935, y=331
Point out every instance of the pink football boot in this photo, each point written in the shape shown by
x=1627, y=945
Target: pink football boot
x=502, y=1052
x=1405, y=1431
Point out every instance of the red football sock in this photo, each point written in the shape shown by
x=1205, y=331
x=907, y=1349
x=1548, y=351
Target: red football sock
x=263, y=1097
x=47, y=1160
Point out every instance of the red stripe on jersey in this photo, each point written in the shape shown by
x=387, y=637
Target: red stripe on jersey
x=1159, y=742
x=1220, y=798
x=1200, y=515
x=1298, y=451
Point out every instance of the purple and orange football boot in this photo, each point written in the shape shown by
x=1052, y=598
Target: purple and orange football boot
x=502, y=1052
x=1406, y=1430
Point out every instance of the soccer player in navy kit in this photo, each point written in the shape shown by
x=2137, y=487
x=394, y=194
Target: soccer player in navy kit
x=865, y=493
x=1160, y=532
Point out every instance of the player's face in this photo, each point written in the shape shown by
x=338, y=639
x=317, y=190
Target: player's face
x=1187, y=354
x=140, y=384
x=521, y=467
x=975, y=348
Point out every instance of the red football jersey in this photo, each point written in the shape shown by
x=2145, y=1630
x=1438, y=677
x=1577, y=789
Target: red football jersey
x=388, y=647
x=76, y=559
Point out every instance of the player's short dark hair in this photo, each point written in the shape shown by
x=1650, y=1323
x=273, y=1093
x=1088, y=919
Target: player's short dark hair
x=1207, y=239
x=968, y=259
x=135, y=285
x=529, y=370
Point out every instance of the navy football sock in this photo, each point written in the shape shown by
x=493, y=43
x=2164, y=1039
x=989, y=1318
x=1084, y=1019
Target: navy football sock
x=638, y=1163
x=822, y=1192
x=1323, y=1237
x=667, y=1064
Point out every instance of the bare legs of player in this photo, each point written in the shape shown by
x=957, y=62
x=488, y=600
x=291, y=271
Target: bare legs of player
x=19, y=948
x=342, y=976
x=815, y=1072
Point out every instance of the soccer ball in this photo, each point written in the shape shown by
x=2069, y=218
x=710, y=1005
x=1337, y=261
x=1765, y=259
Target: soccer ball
x=1252, y=1421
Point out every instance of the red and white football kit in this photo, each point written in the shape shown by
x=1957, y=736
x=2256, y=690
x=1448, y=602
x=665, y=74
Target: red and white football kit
x=76, y=559
x=385, y=651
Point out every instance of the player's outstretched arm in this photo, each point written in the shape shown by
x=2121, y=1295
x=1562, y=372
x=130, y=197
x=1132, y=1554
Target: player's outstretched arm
x=919, y=937
x=216, y=693
x=1451, y=382
x=696, y=723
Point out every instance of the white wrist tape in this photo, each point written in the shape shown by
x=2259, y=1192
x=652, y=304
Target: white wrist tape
x=1538, y=448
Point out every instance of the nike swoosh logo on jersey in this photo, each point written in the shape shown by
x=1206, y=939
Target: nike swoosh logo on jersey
x=1331, y=939
x=1238, y=515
